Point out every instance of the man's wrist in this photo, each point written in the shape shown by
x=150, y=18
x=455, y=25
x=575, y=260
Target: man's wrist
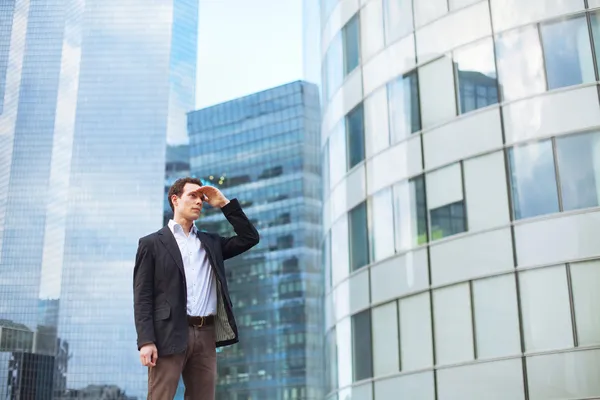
x=224, y=203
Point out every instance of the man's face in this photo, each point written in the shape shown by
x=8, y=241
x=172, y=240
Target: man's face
x=189, y=205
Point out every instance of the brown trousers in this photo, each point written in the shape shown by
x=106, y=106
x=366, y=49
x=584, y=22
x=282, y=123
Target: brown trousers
x=198, y=366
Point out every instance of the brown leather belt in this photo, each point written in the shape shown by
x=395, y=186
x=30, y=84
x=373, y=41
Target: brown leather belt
x=198, y=322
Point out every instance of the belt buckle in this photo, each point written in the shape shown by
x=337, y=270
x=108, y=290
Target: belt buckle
x=201, y=323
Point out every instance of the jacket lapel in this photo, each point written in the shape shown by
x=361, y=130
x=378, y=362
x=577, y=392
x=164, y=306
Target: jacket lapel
x=168, y=240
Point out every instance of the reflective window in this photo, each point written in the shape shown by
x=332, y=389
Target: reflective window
x=351, y=45
x=403, y=103
x=453, y=324
x=359, y=244
x=326, y=255
x=533, y=180
x=567, y=52
x=448, y=220
x=437, y=92
x=330, y=361
x=595, y=20
x=476, y=73
x=416, y=350
x=578, y=160
x=340, y=257
x=520, y=63
x=496, y=317
x=410, y=214
x=362, y=345
x=585, y=277
x=327, y=7
x=325, y=170
x=428, y=10
x=545, y=307
x=334, y=66
x=382, y=231
x=398, y=19
x=355, y=128
x=385, y=339
x=337, y=153
x=377, y=136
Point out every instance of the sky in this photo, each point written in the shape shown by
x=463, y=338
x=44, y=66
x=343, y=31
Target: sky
x=245, y=46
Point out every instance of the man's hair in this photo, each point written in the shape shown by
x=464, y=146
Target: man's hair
x=177, y=188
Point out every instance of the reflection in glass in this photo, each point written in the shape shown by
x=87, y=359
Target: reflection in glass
x=403, y=103
x=398, y=19
x=476, y=74
x=331, y=361
x=545, y=307
x=334, y=66
x=453, y=324
x=351, y=45
x=337, y=153
x=533, y=180
x=520, y=63
x=356, y=137
x=382, y=231
x=340, y=256
x=585, y=277
x=496, y=317
x=567, y=52
x=448, y=220
x=410, y=214
x=361, y=346
x=578, y=160
x=377, y=136
x=327, y=259
x=358, y=242
x=595, y=20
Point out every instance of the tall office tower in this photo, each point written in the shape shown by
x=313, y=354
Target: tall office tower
x=264, y=150
x=461, y=145
x=89, y=92
x=177, y=166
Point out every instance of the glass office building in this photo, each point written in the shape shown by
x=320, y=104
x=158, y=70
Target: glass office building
x=89, y=92
x=461, y=150
x=264, y=150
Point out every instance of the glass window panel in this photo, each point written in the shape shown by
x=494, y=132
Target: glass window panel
x=356, y=137
x=331, y=361
x=361, y=346
x=448, y=220
x=595, y=20
x=344, y=330
x=496, y=317
x=377, y=136
x=351, y=45
x=578, y=159
x=340, y=258
x=334, y=66
x=403, y=103
x=429, y=10
x=545, y=307
x=476, y=73
x=326, y=166
x=327, y=259
x=520, y=63
x=359, y=245
x=398, y=19
x=371, y=18
x=533, y=180
x=385, y=339
x=416, y=343
x=572, y=375
x=337, y=154
x=410, y=214
x=452, y=323
x=382, y=230
x=585, y=279
x=567, y=52
x=436, y=92
x=456, y=4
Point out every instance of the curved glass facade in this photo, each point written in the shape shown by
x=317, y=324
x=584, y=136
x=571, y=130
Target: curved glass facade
x=461, y=153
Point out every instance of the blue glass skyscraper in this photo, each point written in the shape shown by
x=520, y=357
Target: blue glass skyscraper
x=264, y=150
x=90, y=90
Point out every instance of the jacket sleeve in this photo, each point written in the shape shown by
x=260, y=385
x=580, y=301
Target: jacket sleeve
x=143, y=293
x=246, y=236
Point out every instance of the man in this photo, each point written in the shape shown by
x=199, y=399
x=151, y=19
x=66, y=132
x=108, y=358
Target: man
x=181, y=301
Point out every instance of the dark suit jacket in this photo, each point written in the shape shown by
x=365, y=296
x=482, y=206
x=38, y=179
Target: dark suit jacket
x=159, y=286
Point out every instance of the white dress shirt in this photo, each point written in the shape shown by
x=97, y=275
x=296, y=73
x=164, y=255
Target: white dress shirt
x=199, y=276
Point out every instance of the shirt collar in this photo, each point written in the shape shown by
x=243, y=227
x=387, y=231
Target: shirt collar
x=175, y=227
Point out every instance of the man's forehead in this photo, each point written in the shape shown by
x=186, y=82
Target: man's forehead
x=190, y=187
